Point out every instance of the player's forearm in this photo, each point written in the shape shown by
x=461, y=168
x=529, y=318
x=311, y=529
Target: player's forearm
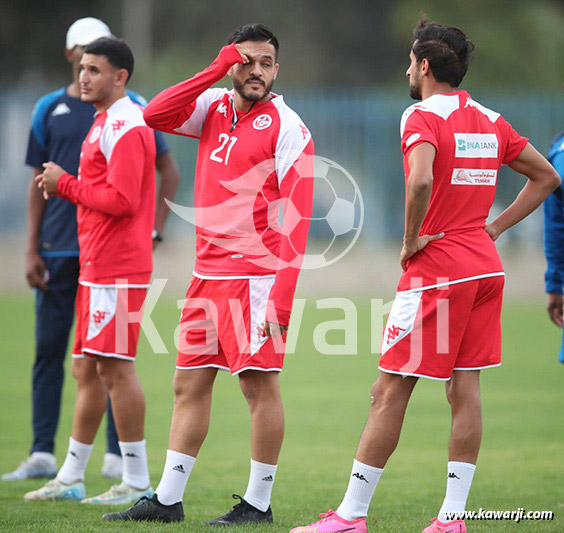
x=419, y=189
x=170, y=177
x=282, y=296
x=289, y=266
x=299, y=185
x=530, y=198
x=170, y=108
x=104, y=197
x=35, y=211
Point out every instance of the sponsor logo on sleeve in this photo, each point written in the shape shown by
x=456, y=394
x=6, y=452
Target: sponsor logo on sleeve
x=476, y=145
x=262, y=122
x=473, y=176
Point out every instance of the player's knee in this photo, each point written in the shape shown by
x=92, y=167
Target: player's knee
x=109, y=374
x=82, y=371
x=383, y=397
x=105, y=375
x=250, y=392
x=181, y=386
x=380, y=395
x=450, y=393
x=373, y=395
x=76, y=370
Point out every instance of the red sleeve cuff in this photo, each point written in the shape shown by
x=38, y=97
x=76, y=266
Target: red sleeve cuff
x=62, y=183
x=230, y=55
x=516, y=151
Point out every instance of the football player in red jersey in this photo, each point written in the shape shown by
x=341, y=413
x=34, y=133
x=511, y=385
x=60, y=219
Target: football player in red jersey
x=445, y=321
x=254, y=153
x=115, y=197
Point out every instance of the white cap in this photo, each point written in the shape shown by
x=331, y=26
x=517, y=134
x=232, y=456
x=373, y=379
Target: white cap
x=84, y=31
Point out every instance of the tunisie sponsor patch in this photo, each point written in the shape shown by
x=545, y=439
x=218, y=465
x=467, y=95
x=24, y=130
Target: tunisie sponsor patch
x=473, y=176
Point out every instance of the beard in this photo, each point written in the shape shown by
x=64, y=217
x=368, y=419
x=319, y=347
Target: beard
x=250, y=94
x=415, y=89
x=93, y=97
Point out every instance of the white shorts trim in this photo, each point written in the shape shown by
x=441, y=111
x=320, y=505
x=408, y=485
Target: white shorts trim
x=257, y=368
x=103, y=354
x=454, y=282
x=478, y=367
x=259, y=291
x=114, y=286
x=406, y=374
x=224, y=368
x=202, y=276
x=402, y=316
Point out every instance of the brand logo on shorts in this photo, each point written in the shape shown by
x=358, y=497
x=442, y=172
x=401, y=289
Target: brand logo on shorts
x=99, y=316
x=473, y=176
x=394, y=332
x=476, y=145
x=262, y=122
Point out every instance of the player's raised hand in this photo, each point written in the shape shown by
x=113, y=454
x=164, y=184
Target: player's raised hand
x=555, y=308
x=410, y=249
x=246, y=54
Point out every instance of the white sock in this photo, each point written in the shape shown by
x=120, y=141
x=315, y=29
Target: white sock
x=75, y=463
x=135, y=469
x=459, y=481
x=175, y=476
x=261, y=481
x=363, y=483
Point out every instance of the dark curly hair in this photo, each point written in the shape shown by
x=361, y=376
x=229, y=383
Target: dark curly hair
x=253, y=32
x=446, y=48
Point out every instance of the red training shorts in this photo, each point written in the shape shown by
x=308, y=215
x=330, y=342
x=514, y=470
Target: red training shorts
x=431, y=332
x=102, y=323
x=220, y=326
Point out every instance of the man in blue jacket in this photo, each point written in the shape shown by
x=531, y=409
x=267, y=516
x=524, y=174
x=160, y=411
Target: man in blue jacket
x=554, y=240
x=59, y=125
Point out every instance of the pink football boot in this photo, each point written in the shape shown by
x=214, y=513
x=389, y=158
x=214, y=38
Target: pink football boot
x=331, y=522
x=456, y=526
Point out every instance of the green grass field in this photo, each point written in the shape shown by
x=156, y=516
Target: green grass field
x=326, y=400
